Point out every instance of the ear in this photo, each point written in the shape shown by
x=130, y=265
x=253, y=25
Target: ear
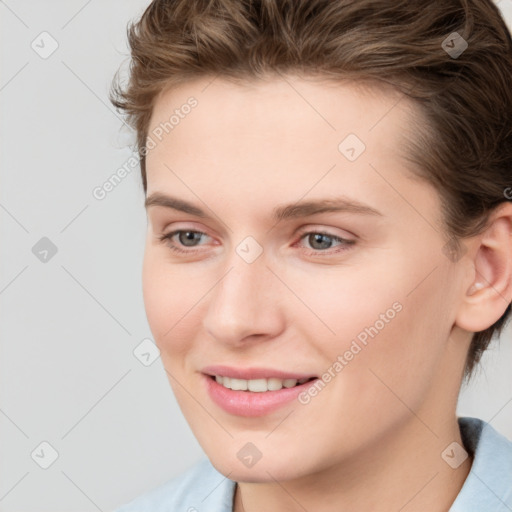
x=488, y=290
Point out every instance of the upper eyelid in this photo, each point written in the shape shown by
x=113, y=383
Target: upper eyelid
x=302, y=230
x=324, y=231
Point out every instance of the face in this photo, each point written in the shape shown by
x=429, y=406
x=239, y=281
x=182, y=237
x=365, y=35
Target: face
x=287, y=239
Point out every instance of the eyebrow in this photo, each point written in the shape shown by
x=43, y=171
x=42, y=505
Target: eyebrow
x=279, y=213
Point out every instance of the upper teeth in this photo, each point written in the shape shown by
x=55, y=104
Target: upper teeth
x=257, y=385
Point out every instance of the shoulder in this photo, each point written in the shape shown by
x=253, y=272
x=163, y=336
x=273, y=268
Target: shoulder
x=489, y=482
x=200, y=487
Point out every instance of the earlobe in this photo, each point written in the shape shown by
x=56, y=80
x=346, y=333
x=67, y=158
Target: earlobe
x=490, y=292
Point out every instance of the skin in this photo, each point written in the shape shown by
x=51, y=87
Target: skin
x=372, y=439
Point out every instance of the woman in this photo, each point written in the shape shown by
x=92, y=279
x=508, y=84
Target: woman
x=328, y=250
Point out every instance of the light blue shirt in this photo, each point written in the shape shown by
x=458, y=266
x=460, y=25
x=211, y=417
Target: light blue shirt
x=487, y=488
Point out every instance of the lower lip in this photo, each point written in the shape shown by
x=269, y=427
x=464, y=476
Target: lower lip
x=250, y=403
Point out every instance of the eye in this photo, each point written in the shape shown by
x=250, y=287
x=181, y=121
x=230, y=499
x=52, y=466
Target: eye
x=186, y=237
x=319, y=241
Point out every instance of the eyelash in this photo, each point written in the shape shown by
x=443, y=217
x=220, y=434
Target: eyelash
x=314, y=252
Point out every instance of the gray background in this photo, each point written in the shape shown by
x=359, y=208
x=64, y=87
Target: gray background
x=70, y=323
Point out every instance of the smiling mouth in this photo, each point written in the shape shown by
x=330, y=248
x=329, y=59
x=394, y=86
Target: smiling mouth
x=258, y=385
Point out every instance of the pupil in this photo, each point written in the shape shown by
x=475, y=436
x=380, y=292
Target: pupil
x=317, y=237
x=190, y=236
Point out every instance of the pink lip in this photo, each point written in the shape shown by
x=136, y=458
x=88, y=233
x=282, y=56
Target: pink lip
x=253, y=373
x=248, y=403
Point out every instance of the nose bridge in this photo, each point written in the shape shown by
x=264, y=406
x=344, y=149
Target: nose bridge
x=241, y=288
x=240, y=284
x=243, y=302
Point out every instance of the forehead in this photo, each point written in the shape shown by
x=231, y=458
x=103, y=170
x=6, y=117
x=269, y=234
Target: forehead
x=286, y=117
x=280, y=101
x=280, y=138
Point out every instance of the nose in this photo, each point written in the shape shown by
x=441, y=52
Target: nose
x=245, y=304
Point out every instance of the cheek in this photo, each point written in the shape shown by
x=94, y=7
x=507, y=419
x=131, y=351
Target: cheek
x=346, y=304
x=379, y=322
x=408, y=352
x=171, y=301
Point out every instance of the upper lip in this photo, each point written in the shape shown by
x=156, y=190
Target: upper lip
x=253, y=373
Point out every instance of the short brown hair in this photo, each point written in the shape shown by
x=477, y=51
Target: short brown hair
x=463, y=141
